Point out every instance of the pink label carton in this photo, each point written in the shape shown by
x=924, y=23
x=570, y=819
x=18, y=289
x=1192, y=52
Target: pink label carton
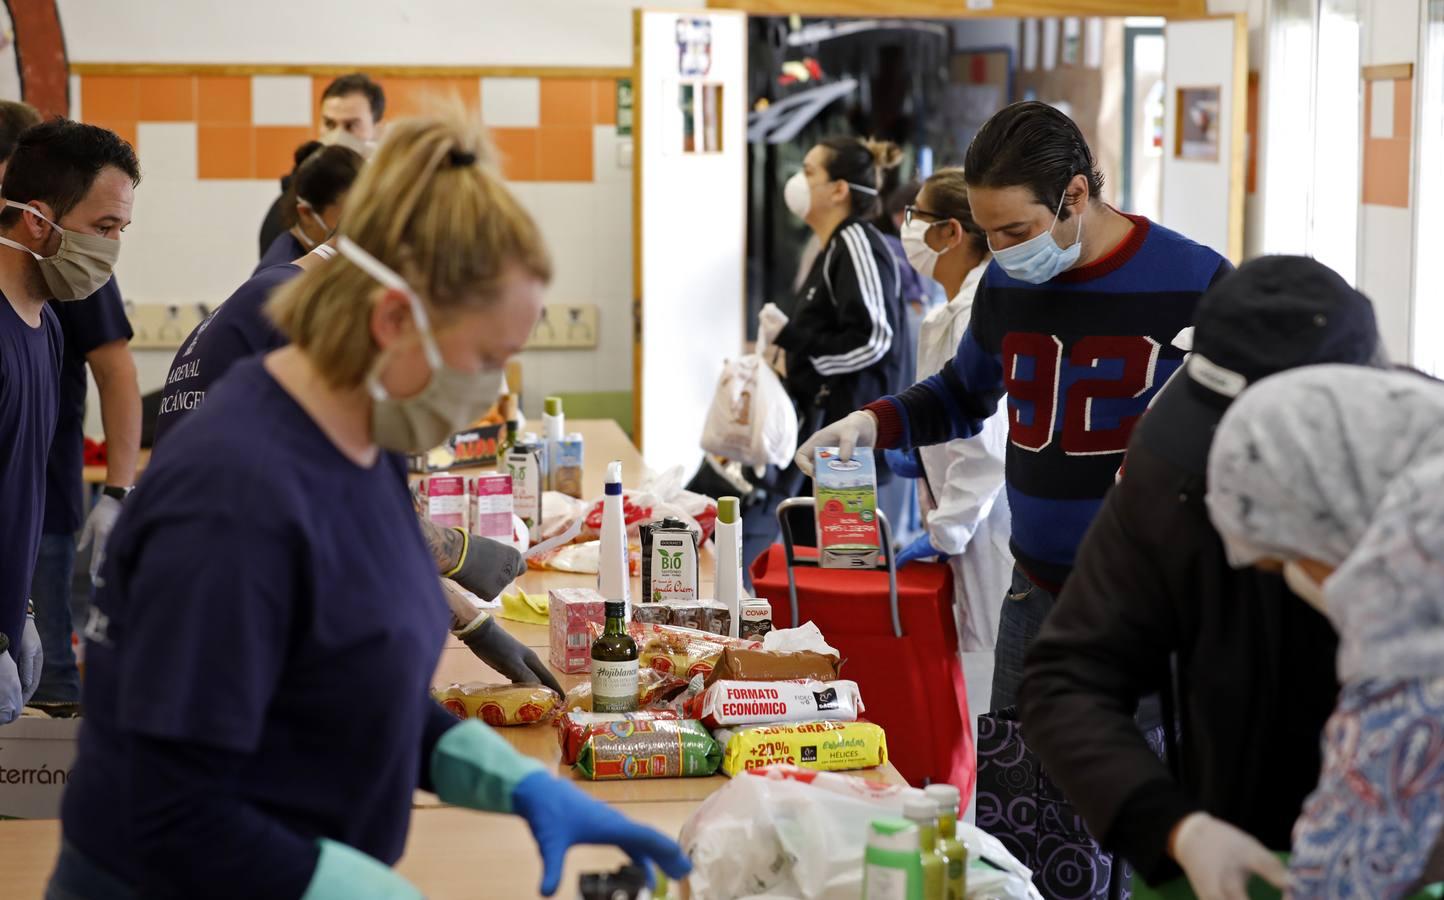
x=491, y=507
x=571, y=610
x=445, y=500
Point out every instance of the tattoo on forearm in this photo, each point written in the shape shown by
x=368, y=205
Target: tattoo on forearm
x=444, y=544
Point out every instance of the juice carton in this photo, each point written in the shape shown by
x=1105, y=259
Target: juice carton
x=846, y=493
x=570, y=611
x=445, y=500
x=491, y=507
x=524, y=464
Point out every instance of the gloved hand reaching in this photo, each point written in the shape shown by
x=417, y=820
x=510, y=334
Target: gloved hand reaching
x=12, y=697
x=96, y=532
x=344, y=873
x=905, y=463
x=475, y=767
x=922, y=548
x=770, y=322
x=562, y=816
x=857, y=429
x=29, y=658
x=1219, y=859
x=486, y=567
x=494, y=646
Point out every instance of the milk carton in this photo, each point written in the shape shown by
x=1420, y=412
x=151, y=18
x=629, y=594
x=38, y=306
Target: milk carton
x=524, y=464
x=669, y=562
x=491, y=507
x=846, y=494
x=445, y=500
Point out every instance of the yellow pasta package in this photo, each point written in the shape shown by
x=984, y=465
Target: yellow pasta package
x=827, y=746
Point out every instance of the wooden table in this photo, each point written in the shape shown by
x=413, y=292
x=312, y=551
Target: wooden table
x=96, y=474
x=457, y=853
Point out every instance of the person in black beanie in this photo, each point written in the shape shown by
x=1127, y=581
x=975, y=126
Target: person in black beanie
x=1246, y=674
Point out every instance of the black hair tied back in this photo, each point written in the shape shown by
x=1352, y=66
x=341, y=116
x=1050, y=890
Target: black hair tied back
x=460, y=159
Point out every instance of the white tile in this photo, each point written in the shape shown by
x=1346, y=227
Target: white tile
x=1381, y=108
x=511, y=102
x=167, y=152
x=75, y=98
x=281, y=100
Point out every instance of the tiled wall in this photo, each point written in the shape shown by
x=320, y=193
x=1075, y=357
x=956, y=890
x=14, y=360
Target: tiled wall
x=212, y=148
x=248, y=126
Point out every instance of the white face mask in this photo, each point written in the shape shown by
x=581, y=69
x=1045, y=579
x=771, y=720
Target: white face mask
x=915, y=245
x=1304, y=585
x=1039, y=258
x=797, y=194
x=451, y=400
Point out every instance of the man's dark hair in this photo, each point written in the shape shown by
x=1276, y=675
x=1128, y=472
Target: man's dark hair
x=1032, y=145
x=359, y=83
x=15, y=117
x=56, y=162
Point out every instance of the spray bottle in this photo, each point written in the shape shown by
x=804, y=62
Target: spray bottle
x=613, y=582
x=728, y=582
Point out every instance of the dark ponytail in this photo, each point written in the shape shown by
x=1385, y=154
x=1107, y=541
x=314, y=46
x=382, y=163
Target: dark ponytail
x=861, y=163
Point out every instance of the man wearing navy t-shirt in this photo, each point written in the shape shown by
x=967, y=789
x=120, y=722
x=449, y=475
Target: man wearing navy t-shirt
x=68, y=190
x=1073, y=321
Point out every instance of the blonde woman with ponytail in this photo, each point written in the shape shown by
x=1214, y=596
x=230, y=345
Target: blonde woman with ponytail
x=257, y=712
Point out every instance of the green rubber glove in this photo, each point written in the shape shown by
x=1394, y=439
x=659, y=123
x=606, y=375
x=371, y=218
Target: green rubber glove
x=475, y=767
x=345, y=873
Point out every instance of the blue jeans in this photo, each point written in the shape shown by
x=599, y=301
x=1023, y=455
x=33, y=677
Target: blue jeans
x=1024, y=609
x=50, y=589
x=77, y=878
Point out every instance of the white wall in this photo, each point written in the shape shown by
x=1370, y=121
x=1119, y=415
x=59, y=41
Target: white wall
x=1195, y=195
x=342, y=32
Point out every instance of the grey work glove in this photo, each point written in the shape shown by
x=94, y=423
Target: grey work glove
x=494, y=646
x=486, y=567
x=29, y=658
x=12, y=696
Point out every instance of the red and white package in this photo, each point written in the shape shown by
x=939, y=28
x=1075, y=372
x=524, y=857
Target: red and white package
x=491, y=507
x=769, y=702
x=445, y=500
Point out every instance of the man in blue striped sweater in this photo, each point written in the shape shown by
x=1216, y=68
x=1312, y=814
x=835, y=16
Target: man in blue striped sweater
x=1074, y=322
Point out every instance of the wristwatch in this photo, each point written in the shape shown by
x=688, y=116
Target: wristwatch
x=118, y=493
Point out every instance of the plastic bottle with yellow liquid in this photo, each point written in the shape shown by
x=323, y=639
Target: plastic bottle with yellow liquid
x=953, y=850
x=923, y=812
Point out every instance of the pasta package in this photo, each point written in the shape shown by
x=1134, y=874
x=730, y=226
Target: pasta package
x=737, y=664
x=825, y=746
x=649, y=749
x=575, y=727
x=498, y=704
x=728, y=703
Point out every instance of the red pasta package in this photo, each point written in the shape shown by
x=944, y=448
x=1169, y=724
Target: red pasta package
x=575, y=727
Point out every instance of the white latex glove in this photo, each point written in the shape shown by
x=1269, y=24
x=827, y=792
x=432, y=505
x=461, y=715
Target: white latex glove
x=29, y=658
x=12, y=697
x=1219, y=859
x=857, y=429
x=770, y=322
x=97, y=530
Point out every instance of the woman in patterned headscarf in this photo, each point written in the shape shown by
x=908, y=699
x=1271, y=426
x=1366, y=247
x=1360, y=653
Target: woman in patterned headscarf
x=1337, y=473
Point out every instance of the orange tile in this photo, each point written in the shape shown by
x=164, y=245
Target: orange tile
x=126, y=130
x=223, y=100
x=566, y=101
x=1403, y=107
x=518, y=150
x=318, y=87
x=109, y=98
x=225, y=151
x=276, y=148
x=604, y=101
x=165, y=98
x=564, y=153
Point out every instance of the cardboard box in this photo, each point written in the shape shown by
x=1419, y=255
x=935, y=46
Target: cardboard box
x=36, y=754
x=846, y=494
x=571, y=610
x=473, y=447
x=491, y=507
x=756, y=619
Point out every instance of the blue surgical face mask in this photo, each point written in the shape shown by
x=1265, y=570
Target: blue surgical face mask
x=1039, y=258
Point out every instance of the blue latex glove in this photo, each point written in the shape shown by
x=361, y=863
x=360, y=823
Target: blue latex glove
x=905, y=463
x=562, y=816
x=12, y=697
x=29, y=658
x=922, y=548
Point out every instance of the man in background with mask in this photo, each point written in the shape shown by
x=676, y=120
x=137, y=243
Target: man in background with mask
x=69, y=189
x=351, y=110
x=96, y=334
x=1073, y=321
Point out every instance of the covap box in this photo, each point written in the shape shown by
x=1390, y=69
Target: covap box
x=36, y=754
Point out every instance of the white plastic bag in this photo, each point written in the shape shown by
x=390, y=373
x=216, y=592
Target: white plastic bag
x=792, y=832
x=751, y=418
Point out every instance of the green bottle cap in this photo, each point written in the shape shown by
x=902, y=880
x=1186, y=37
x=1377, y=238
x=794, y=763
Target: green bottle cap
x=554, y=406
x=727, y=510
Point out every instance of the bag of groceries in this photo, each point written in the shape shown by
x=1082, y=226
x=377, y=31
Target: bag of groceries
x=751, y=419
x=785, y=831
